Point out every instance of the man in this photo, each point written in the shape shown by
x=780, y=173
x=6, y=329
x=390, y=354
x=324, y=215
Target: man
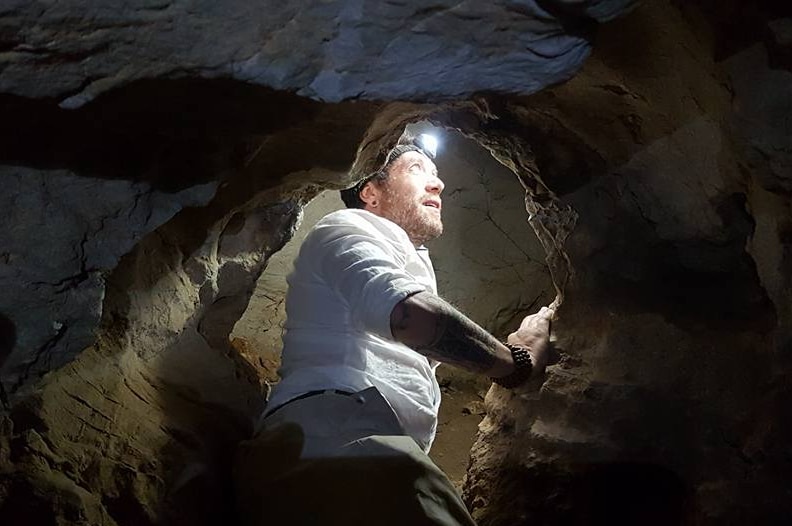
x=345, y=434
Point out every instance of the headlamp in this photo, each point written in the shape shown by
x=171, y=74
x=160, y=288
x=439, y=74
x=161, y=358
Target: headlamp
x=428, y=144
x=424, y=143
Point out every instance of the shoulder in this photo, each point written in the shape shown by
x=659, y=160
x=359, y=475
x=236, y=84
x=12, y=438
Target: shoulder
x=361, y=222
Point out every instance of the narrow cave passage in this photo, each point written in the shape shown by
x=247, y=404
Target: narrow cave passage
x=488, y=262
x=152, y=161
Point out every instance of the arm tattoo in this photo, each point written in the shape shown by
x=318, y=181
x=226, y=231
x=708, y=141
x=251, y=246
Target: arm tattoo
x=458, y=340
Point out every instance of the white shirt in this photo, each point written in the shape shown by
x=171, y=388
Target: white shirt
x=351, y=271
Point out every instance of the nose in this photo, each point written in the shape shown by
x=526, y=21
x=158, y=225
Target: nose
x=435, y=185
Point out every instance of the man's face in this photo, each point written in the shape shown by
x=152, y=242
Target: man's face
x=410, y=197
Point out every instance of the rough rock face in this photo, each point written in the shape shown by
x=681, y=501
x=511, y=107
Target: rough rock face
x=668, y=405
x=140, y=222
x=55, y=289
x=73, y=50
x=152, y=254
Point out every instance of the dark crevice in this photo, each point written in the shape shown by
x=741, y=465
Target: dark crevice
x=563, y=159
x=428, y=11
x=160, y=131
x=624, y=493
x=26, y=415
x=737, y=24
x=4, y=398
x=46, y=56
x=70, y=282
x=8, y=337
x=126, y=510
x=778, y=40
x=42, y=352
x=597, y=494
x=573, y=20
x=694, y=281
x=24, y=504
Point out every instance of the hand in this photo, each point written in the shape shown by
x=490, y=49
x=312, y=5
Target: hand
x=534, y=332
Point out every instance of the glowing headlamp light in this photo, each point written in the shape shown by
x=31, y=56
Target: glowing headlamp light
x=428, y=144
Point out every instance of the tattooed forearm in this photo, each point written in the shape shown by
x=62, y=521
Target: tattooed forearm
x=437, y=330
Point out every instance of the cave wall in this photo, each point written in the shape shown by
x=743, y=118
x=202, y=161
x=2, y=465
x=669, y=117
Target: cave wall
x=122, y=398
x=668, y=404
x=154, y=154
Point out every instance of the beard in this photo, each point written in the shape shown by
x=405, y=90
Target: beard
x=422, y=223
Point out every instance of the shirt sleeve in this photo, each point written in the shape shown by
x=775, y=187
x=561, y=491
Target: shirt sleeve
x=366, y=267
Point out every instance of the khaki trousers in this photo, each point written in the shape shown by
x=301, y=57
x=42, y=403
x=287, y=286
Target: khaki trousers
x=333, y=459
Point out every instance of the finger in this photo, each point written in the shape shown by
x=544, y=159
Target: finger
x=545, y=316
x=532, y=320
x=528, y=321
x=543, y=324
x=535, y=323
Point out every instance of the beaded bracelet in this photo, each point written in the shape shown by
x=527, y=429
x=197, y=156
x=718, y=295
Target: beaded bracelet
x=523, y=366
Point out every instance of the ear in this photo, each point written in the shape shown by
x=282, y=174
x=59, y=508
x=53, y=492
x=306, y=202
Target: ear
x=371, y=194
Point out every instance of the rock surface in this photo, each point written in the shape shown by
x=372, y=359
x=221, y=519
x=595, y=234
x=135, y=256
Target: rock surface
x=151, y=256
x=122, y=396
x=658, y=181
x=73, y=51
x=667, y=405
x=54, y=289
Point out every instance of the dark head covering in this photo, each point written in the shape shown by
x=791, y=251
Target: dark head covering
x=407, y=143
